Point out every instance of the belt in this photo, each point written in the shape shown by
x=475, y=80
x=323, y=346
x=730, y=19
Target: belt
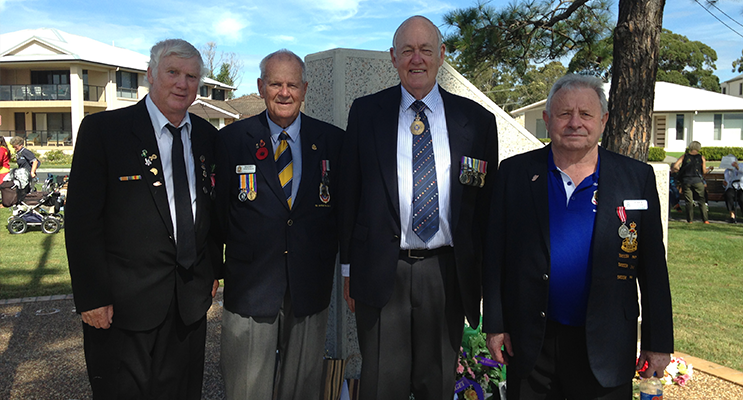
x=421, y=254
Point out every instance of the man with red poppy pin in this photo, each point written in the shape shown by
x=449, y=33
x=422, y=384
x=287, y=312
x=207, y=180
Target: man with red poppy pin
x=280, y=238
x=412, y=228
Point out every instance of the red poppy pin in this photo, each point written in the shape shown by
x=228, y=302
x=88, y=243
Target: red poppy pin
x=262, y=153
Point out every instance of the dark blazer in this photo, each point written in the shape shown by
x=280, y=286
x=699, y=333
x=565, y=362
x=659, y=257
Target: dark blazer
x=268, y=246
x=370, y=236
x=517, y=266
x=119, y=231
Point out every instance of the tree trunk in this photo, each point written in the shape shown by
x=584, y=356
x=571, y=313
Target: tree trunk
x=636, y=47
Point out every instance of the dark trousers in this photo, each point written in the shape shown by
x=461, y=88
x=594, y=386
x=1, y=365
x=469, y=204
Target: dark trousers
x=731, y=196
x=694, y=191
x=411, y=344
x=563, y=372
x=166, y=362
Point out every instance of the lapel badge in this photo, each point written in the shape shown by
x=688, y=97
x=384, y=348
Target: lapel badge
x=147, y=162
x=262, y=151
x=534, y=178
x=157, y=183
x=314, y=147
x=144, y=153
x=154, y=171
x=202, y=158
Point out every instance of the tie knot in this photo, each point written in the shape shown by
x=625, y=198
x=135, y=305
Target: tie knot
x=173, y=130
x=283, y=135
x=418, y=106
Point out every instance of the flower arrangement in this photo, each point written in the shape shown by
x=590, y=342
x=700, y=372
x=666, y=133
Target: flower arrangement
x=477, y=374
x=677, y=372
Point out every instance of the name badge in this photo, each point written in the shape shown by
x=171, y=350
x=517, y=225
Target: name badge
x=636, y=204
x=245, y=169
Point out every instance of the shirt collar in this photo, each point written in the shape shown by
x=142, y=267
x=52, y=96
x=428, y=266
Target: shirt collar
x=552, y=167
x=432, y=99
x=292, y=130
x=159, y=120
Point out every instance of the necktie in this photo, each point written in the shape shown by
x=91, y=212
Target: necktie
x=283, y=158
x=185, y=235
x=425, y=189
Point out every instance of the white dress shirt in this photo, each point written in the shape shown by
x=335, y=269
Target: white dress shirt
x=165, y=147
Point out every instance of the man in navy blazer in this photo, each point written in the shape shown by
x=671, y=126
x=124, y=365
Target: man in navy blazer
x=411, y=288
x=573, y=230
x=281, y=242
x=143, y=307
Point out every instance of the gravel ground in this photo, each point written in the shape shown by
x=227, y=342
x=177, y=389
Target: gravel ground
x=41, y=357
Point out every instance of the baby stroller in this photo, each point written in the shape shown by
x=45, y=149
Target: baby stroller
x=32, y=208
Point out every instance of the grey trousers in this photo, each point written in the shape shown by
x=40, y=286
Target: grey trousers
x=249, y=350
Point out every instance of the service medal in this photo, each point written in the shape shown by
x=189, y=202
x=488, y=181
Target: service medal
x=623, y=231
x=417, y=127
x=242, y=196
x=252, y=195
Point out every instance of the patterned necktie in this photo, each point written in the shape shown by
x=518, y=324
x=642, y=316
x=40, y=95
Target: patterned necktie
x=185, y=234
x=425, y=189
x=283, y=158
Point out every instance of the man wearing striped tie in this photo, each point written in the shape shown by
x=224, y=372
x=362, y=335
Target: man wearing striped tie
x=276, y=199
x=416, y=166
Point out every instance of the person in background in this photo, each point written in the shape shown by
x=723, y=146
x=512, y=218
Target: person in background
x=733, y=189
x=573, y=229
x=137, y=233
x=24, y=157
x=689, y=168
x=4, y=158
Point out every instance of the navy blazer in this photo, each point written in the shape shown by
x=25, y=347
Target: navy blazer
x=370, y=233
x=269, y=247
x=118, y=228
x=517, y=266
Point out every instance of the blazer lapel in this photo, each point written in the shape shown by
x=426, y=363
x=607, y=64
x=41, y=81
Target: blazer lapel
x=266, y=166
x=537, y=178
x=311, y=154
x=460, y=144
x=149, y=155
x=385, y=135
x=202, y=170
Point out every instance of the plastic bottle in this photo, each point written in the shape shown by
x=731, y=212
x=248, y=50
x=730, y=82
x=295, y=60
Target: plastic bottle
x=651, y=389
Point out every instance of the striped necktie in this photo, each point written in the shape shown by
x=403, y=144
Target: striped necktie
x=425, y=189
x=283, y=158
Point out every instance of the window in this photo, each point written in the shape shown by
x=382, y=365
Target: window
x=204, y=91
x=541, y=129
x=723, y=90
x=217, y=94
x=734, y=122
x=718, y=127
x=740, y=88
x=680, y=127
x=50, y=77
x=126, y=84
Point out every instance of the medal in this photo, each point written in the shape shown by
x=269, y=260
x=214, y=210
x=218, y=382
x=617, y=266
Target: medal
x=325, y=182
x=252, y=195
x=623, y=229
x=242, y=196
x=464, y=178
x=417, y=127
x=247, y=188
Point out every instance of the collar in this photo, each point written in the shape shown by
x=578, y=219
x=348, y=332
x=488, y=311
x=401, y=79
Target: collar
x=292, y=130
x=159, y=121
x=432, y=99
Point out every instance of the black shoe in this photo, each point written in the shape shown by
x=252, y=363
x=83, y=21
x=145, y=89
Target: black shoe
x=732, y=221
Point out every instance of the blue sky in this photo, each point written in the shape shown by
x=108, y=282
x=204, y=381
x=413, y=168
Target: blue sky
x=254, y=28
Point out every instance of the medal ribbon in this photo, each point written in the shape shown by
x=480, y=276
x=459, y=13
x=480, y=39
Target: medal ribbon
x=252, y=182
x=622, y=214
x=325, y=167
x=243, y=182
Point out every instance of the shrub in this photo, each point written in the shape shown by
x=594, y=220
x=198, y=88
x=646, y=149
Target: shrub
x=716, y=153
x=57, y=157
x=656, y=154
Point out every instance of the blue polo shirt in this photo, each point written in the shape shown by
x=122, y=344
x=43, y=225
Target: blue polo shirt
x=572, y=213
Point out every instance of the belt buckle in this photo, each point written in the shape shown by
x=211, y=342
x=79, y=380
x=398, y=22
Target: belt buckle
x=410, y=255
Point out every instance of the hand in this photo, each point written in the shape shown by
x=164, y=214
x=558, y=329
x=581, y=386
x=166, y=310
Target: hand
x=33, y=174
x=495, y=342
x=215, y=286
x=347, y=294
x=99, y=318
x=657, y=363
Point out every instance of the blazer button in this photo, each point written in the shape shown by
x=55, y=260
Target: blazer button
x=290, y=222
x=542, y=314
x=545, y=277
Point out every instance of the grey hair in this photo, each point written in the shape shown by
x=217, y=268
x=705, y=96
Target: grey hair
x=16, y=141
x=574, y=81
x=439, y=36
x=175, y=47
x=695, y=146
x=282, y=53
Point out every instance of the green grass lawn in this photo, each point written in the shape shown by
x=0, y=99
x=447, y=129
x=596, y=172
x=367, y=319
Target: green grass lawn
x=705, y=267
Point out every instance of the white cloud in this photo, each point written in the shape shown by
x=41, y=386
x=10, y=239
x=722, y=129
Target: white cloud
x=230, y=28
x=284, y=39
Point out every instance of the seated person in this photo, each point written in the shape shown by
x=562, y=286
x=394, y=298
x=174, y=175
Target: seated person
x=733, y=190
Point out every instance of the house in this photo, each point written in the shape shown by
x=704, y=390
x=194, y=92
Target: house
x=733, y=87
x=681, y=114
x=50, y=80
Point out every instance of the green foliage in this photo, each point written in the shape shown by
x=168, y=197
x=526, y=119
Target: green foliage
x=57, y=157
x=656, y=154
x=594, y=58
x=716, y=153
x=474, y=345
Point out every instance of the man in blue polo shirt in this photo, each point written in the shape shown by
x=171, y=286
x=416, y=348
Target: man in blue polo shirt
x=573, y=229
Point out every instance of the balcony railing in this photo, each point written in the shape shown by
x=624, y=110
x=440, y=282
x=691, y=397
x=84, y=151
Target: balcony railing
x=127, y=93
x=48, y=92
x=42, y=138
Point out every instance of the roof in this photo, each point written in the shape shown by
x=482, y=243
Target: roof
x=248, y=105
x=670, y=97
x=217, y=84
x=739, y=77
x=46, y=44
x=208, y=108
